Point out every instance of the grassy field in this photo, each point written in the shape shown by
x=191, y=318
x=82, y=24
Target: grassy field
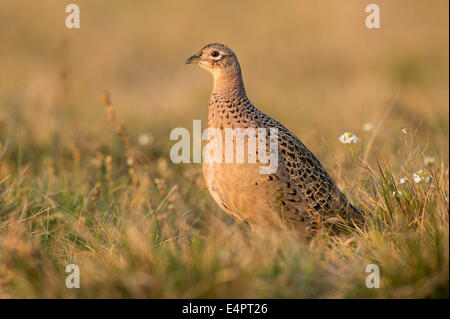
x=74, y=189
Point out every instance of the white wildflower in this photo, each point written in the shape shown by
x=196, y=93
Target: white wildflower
x=399, y=193
x=145, y=139
x=348, y=137
x=368, y=127
x=429, y=160
x=418, y=176
x=403, y=180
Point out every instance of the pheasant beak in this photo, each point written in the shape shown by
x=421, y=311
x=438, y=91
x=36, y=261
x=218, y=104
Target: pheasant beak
x=194, y=59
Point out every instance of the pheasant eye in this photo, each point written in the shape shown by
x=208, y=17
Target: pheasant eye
x=215, y=54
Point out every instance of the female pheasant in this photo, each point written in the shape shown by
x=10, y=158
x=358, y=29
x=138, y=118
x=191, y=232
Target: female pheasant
x=300, y=191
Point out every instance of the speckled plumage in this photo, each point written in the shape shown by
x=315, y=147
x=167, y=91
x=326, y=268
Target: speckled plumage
x=300, y=191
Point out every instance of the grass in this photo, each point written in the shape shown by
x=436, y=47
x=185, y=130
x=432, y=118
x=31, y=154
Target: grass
x=89, y=182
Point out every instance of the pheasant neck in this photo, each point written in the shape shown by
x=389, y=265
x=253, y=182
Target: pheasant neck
x=229, y=105
x=228, y=83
